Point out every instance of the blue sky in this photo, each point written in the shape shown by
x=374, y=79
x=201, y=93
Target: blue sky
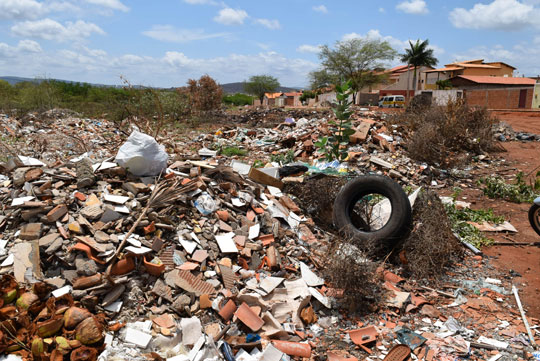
x=165, y=42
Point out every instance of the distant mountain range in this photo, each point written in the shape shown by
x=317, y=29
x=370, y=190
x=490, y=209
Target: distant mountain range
x=17, y=79
x=229, y=88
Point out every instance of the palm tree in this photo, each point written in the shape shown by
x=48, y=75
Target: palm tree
x=418, y=55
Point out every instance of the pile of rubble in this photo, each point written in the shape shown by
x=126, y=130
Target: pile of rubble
x=193, y=257
x=503, y=132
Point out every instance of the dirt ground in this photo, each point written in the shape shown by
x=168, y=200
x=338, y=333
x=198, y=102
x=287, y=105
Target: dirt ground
x=526, y=121
x=525, y=260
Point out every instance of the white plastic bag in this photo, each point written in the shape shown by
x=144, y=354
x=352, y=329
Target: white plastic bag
x=141, y=155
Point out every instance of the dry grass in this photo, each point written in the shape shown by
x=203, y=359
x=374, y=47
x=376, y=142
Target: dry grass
x=447, y=135
x=349, y=270
x=431, y=247
x=316, y=197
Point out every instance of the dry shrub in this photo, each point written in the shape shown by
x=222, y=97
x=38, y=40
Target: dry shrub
x=349, y=270
x=316, y=195
x=431, y=247
x=205, y=94
x=447, y=135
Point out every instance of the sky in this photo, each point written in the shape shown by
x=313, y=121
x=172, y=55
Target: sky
x=163, y=43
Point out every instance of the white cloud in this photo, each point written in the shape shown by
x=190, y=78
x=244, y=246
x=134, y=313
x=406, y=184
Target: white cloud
x=111, y=4
x=309, y=49
x=236, y=66
x=229, y=16
x=524, y=56
x=413, y=7
x=437, y=50
x=20, y=9
x=499, y=15
x=374, y=34
x=382, y=10
x=52, y=30
x=29, y=46
x=172, y=34
x=263, y=46
x=62, y=6
x=320, y=9
x=398, y=44
x=270, y=24
x=173, y=68
x=24, y=46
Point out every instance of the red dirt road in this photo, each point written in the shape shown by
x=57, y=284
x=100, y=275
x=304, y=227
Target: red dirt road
x=525, y=121
x=525, y=260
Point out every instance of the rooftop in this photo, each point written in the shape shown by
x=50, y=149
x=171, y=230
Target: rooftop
x=497, y=80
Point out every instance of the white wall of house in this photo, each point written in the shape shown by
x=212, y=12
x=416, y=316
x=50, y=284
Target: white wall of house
x=442, y=97
x=401, y=84
x=329, y=97
x=433, y=77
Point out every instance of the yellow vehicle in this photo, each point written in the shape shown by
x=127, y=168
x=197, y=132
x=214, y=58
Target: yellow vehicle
x=392, y=101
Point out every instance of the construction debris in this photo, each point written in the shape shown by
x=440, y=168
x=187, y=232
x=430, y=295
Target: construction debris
x=169, y=255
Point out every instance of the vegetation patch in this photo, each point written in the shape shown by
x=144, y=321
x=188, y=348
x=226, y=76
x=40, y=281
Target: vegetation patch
x=283, y=158
x=459, y=219
x=354, y=278
x=233, y=151
x=518, y=192
x=446, y=135
x=238, y=99
x=431, y=246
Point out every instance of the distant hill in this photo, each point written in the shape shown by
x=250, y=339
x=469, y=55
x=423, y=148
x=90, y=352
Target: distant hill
x=229, y=88
x=233, y=88
x=17, y=79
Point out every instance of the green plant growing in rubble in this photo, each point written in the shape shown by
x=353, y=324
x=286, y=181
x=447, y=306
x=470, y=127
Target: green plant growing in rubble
x=232, y=151
x=519, y=192
x=283, y=158
x=334, y=146
x=459, y=219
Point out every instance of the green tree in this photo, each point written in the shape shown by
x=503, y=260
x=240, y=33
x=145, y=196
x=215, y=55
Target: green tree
x=357, y=60
x=260, y=84
x=321, y=79
x=7, y=93
x=418, y=55
x=443, y=84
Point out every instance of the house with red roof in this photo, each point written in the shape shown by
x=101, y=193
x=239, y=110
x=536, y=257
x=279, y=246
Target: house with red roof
x=401, y=78
x=476, y=67
x=496, y=92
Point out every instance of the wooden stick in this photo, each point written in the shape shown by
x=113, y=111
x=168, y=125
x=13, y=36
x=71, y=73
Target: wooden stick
x=525, y=322
x=439, y=292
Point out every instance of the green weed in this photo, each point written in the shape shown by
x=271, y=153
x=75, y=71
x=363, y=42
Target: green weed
x=467, y=232
x=232, y=151
x=518, y=192
x=283, y=158
x=335, y=146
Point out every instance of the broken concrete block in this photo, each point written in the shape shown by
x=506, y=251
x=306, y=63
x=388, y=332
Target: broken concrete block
x=191, y=330
x=92, y=212
x=57, y=212
x=136, y=337
x=31, y=231
x=85, y=173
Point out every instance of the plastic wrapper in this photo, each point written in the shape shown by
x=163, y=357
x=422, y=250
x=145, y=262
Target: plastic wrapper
x=141, y=155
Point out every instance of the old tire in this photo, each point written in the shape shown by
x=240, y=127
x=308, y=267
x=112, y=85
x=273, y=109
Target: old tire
x=397, y=226
x=534, y=217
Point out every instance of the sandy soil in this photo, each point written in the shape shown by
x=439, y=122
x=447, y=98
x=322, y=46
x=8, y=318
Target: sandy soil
x=525, y=260
x=526, y=121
